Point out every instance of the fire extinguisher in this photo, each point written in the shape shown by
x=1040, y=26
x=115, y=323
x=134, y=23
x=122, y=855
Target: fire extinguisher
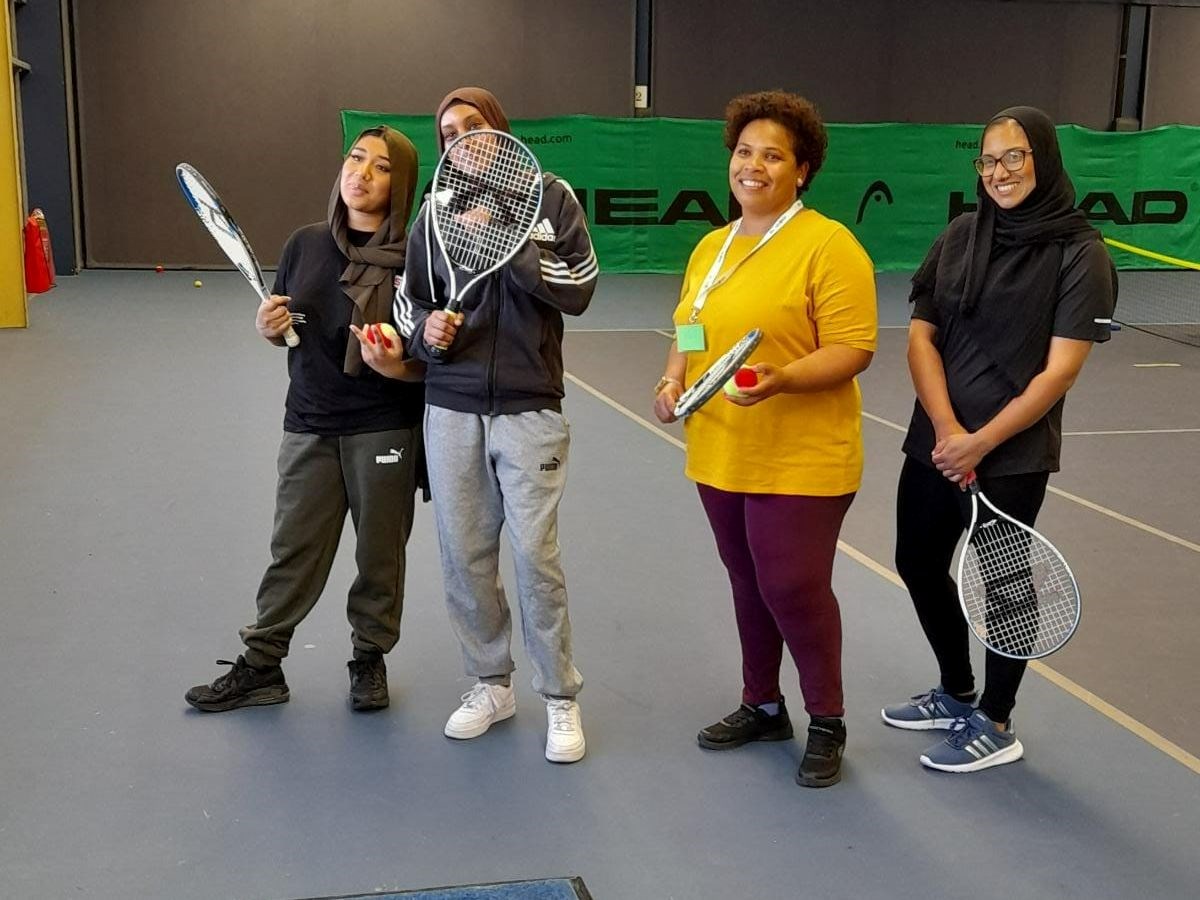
x=39, y=262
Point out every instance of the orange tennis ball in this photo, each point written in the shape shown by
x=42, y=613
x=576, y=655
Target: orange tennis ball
x=745, y=377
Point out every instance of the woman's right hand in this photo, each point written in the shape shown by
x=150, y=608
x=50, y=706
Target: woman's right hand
x=273, y=319
x=441, y=327
x=665, y=400
x=958, y=455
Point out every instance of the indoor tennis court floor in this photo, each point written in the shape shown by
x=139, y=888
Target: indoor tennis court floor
x=141, y=418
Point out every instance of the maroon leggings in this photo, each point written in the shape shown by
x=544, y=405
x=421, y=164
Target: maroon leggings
x=779, y=552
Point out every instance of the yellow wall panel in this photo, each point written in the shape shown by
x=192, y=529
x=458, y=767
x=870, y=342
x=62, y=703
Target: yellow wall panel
x=12, y=213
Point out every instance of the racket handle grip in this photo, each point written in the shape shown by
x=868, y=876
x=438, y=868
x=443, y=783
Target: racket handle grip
x=291, y=338
x=452, y=309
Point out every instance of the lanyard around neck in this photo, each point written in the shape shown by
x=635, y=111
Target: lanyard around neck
x=714, y=279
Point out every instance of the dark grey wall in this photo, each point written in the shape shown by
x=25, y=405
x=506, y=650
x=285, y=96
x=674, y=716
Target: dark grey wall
x=1126, y=3
x=879, y=60
x=1173, y=70
x=44, y=124
x=249, y=92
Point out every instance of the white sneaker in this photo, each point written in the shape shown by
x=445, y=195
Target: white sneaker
x=482, y=705
x=564, y=734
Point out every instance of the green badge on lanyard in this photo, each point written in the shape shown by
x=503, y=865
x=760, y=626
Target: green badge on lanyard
x=689, y=337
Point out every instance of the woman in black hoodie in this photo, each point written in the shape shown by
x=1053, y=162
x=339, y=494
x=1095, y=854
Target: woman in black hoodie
x=498, y=442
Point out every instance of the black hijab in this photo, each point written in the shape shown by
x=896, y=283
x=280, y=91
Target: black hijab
x=367, y=280
x=1048, y=215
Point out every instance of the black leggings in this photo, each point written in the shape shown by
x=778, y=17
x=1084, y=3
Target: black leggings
x=931, y=515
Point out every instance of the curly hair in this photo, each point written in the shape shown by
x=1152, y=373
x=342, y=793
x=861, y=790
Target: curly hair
x=793, y=112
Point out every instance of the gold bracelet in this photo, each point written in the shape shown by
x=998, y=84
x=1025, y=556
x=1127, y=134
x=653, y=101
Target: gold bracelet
x=664, y=381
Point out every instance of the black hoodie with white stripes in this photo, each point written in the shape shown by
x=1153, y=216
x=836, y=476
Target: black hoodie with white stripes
x=507, y=354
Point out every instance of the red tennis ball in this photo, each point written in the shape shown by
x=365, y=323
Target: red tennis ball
x=745, y=377
x=158, y=268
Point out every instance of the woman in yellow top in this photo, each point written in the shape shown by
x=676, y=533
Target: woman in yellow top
x=778, y=466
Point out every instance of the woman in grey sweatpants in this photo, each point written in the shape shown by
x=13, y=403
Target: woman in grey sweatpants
x=497, y=442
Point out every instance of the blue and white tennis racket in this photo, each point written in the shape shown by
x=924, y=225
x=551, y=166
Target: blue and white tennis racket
x=220, y=224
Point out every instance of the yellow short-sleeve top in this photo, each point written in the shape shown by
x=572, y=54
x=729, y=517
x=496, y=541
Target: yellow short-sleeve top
x=810, y=286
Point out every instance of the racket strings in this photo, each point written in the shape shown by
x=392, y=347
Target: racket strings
x=485, y=200
x=1019, y=594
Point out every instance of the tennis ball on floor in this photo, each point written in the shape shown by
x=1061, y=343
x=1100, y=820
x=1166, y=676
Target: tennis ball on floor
x=197, y=283
x=158, y=269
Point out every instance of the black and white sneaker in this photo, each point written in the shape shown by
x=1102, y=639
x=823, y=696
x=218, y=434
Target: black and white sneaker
x=243, y=685
x=822, y=762
x=745, y=724
x=368, y=683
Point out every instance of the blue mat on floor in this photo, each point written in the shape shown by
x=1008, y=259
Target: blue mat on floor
x=545, y=889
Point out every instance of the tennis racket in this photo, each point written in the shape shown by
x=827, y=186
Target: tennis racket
x=1016, y=590
x=216, y=218
x=715, y=376
x=486, y=195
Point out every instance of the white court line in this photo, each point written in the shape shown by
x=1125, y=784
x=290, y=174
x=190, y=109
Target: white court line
x=1133, y=431
x=626, y=411
x=647, y=330
x=1126, y=721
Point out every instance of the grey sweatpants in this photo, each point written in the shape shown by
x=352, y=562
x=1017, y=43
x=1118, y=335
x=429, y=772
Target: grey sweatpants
x=373, y=476
x=484, y=472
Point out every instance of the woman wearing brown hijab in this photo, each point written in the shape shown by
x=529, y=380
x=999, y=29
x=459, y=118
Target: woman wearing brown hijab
x=352, y=438
x=498, y=443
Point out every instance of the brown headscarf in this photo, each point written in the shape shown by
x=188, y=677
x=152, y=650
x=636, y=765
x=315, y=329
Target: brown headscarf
x=367, y=280
x=483, y=100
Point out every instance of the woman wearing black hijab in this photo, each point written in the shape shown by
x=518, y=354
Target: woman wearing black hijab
x=1006, y=308
x=352, y=438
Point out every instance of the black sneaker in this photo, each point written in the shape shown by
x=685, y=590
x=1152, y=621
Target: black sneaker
x=746, y=724
x=368, y=683
x=822, y=762
x=243, y=685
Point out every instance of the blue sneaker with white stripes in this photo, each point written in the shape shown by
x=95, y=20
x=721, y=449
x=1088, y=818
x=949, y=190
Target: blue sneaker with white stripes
x=974, y=744
x=933, y=709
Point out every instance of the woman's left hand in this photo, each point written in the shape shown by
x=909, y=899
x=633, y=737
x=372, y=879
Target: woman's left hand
x=956, y=455
x=771, y=381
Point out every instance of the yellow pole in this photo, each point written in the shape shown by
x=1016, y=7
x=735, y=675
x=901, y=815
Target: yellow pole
x=13, y=313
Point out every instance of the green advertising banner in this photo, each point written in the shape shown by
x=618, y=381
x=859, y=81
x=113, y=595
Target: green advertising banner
x=652, y=187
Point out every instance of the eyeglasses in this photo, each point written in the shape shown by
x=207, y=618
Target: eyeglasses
x=1010, y=159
